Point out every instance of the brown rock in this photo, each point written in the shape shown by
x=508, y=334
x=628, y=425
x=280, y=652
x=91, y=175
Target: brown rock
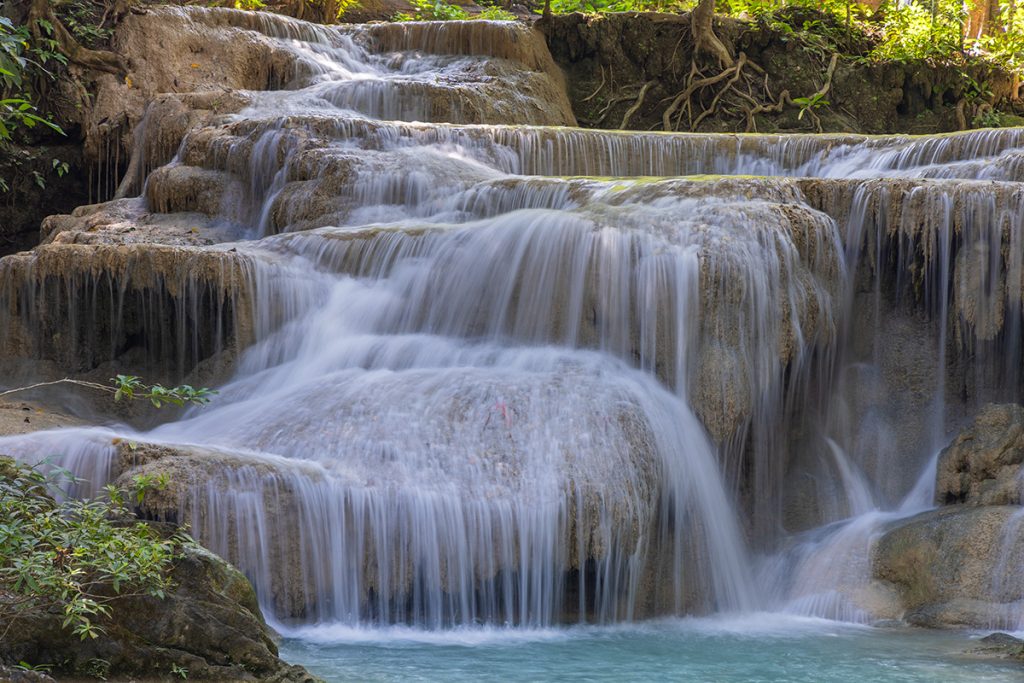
x=955, y=566
x=209, y=625
x=983, y=464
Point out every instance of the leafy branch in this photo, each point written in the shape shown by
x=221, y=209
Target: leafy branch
x=132, y=388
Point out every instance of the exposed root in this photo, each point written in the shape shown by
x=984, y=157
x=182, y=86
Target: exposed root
x=599, y=88
x=761, y=108
x=820, y=94
x=829, y=72
x=636, y=105
x=730, y=84
x=100, y=60
x=675, y=49
x=740, y=91
x=734, y=90
x=693, y=86
x=610, y=104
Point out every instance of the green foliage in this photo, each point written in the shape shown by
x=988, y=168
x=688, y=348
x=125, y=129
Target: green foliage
x=144, y=483
x=811, y=103
x=988, y=118
x=495, y=13
x=1006, y=46
x=75, y=557
x=132, y=388
x=601, y=6
x=917, y=30
x=20, y=62
x=911, y=32
x=15, y=112
x=433, y=10
x=129, y=387
x=13, y=62
x=179, y=671
x=97, y=668
x=439, y=10
x=84, y=20
x=71, y=556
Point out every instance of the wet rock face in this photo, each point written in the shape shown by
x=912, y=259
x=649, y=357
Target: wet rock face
x=983, y=464
x=955, y=566
x=209, y=625
x=81, y=306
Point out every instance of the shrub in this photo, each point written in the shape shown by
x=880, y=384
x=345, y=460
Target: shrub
x=72, y=557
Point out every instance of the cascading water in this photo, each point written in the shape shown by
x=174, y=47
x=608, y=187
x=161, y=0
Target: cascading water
x=497, y=375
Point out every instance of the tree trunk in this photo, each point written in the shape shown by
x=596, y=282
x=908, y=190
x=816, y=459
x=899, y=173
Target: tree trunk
x=705, y=42
x=330, y=11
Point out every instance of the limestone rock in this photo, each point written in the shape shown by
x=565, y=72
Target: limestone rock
x=14, y=675
x=209, y=625
x=955, y=566
x=1001, y=646
x=82, y=305
x=1002, y=639
x=21, y=417
x=983, y=464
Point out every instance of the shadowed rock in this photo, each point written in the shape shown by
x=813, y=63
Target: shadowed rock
x=983, y=464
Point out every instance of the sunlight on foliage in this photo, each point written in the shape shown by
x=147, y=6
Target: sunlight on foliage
x=438, y=10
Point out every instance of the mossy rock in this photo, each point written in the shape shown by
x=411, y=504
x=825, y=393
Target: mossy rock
x=209, y=625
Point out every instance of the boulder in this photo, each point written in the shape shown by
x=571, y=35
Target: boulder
x=1003, y=639
x=983, y=464
x=956, y=566
x=209, y=626
x=1001, y=646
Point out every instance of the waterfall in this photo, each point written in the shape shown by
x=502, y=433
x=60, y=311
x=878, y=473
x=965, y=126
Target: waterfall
x=488, y=368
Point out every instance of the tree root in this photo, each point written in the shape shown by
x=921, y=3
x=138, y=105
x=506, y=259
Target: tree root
x=636, y=105
x=743, y=91
x=693, y=86
x=599, y=88
x=739, y=89
x=603, y=114
x=829, y=72
x=728, y=85
x=100, y=60
x=761, y=108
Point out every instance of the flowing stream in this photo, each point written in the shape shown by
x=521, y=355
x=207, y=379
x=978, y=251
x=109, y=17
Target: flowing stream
x=504, y=376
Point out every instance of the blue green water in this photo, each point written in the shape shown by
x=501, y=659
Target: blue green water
x=751, y=649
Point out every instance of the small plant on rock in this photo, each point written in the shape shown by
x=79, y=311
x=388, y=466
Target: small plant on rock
x=77, y=557
x=72, y=557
